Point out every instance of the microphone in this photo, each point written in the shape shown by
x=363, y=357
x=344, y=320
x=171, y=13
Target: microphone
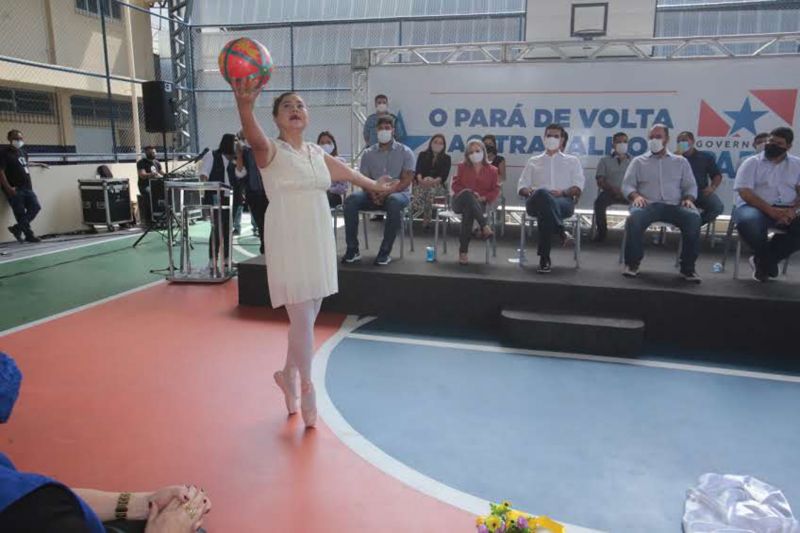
x=199, y=156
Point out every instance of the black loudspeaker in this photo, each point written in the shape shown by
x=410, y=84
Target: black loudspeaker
x=159, y=106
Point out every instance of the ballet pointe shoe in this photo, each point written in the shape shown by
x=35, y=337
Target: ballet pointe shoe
x=286, y=385
x=308, y=404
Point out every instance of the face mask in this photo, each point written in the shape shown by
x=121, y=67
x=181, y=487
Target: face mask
x=552, y=143
x=684, y=146
x=437, y=148
x=384, y=136
x=759, y=148
x=328, y=147
x=18, y=144
x=382, y=108
x=476, y=157
x=621, y=148
x=655, y=145
x=773, y=151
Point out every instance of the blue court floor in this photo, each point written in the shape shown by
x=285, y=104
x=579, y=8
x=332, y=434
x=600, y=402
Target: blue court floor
x=604, y=444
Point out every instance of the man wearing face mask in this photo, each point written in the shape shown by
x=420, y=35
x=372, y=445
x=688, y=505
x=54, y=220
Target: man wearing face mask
x=610, y=171
x=16, y=183
x=768, y=185
x=371, y=125
x=147, y=168
x=388, y=161
x=661, y=188
x=707, y=176
x=759, y=141
x=551, y=183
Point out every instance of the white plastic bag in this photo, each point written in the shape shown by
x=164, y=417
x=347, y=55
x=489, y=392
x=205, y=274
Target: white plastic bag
x=737, y=504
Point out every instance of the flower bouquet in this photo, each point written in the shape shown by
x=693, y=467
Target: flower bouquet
x=504, y=519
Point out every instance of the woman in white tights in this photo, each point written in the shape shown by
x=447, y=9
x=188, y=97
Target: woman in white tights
x=299, y=244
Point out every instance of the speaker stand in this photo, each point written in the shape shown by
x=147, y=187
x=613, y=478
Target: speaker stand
x=166, y=154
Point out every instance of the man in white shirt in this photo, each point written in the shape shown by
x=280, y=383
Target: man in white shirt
x=768, y=185
x=551, y=183
x=224, y=166
x=661, y=188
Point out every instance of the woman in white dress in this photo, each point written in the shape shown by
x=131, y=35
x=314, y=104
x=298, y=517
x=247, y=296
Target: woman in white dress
x=300, y=249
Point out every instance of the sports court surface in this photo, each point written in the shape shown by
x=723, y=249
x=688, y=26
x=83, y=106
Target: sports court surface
x=133, y=383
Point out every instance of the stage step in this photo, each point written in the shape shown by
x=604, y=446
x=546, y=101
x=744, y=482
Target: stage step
x=563, y=332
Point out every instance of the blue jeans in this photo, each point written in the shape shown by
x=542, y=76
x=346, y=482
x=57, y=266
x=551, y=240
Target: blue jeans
x=752, y=225
x=25, y=207
x=711, y=207
x=550, y=211
x=393, y=205
x=687, y=220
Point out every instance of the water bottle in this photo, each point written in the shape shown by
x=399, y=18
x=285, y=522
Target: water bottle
x=430, y=254
x=716, y=268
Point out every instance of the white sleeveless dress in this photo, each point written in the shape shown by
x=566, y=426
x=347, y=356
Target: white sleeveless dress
x=298, y=227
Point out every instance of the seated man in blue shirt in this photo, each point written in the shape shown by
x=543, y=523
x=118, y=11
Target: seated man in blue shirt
x=706, y=174
x=768, y=185
x=661, y=188
x=388, y=160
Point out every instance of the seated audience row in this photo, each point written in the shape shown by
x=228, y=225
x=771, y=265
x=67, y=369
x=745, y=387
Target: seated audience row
x=658, y=186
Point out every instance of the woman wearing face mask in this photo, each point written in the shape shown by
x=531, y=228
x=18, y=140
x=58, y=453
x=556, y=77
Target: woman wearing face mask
x=300, y=249
x=475, y=186
x=494, y=159
x=338, y=189
x=430, y=178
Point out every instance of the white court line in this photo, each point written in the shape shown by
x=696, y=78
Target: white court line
x=69, y=249
x=580, y=357
x=80, y=308
x=374, y=455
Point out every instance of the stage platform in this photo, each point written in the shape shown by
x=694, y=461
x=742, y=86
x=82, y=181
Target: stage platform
x=719, y=314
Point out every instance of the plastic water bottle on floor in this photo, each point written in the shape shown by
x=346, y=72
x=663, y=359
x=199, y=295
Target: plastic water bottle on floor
x=430, y=254
x=716, y=268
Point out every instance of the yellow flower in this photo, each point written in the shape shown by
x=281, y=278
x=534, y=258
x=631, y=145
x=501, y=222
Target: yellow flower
x=480, y=521
x=493, y=523
x=506, y=504
x=512, y=515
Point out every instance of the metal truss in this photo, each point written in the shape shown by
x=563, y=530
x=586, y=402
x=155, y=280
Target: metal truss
x=654, y=49
x=181, y=47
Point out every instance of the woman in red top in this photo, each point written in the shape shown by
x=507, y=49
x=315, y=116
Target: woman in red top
x=475, y=186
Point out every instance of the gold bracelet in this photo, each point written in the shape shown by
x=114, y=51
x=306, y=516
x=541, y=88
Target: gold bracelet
x=121, y=512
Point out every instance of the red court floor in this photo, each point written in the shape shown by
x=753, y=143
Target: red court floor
x=173, y=384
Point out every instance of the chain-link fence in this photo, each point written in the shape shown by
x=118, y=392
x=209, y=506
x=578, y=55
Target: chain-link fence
x=71, y=75
x=71, y=71
x=313, y=58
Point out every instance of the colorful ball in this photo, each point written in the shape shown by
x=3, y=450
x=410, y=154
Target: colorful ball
x=245, y=58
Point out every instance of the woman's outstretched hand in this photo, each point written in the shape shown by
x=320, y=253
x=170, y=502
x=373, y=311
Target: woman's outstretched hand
x=245, y=91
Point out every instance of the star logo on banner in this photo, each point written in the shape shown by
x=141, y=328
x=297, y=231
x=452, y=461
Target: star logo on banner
x=745, y=118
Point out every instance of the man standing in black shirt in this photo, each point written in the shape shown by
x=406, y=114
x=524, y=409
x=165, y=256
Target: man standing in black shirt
x=15, y=181
x=147, y=169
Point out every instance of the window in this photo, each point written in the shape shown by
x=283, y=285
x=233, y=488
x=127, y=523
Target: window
x=89, y=111
x=28, y=106
x=110, y=7
x=34, y=102
x=7, y=100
